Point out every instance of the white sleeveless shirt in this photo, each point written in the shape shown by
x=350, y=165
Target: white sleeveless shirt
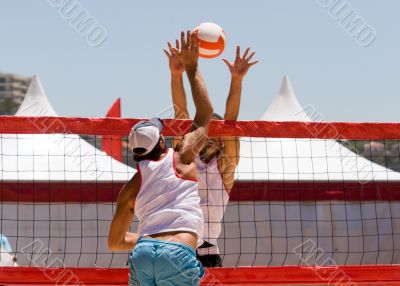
x=213, y=201
x=167, y=202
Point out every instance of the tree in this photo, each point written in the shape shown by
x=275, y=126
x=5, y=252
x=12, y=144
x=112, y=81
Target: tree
x=8, y=106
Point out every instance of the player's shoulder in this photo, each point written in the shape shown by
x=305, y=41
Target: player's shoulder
x=184, y=170
x=132, y=187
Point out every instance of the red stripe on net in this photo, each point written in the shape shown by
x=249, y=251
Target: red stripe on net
x=107, y=192
x=271, y=129
x=293, y=275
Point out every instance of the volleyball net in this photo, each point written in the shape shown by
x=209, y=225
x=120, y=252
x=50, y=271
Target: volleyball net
x=308, y=197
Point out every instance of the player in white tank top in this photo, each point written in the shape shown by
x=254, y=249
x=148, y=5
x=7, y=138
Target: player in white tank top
x=218, y=160
x=167, y=201
x=214, y=199
x=164, y=194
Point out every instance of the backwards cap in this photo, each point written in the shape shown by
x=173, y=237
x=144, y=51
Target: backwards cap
x=145, y=135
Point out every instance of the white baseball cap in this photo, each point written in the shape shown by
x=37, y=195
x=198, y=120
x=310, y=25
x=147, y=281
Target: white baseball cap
x=146, y=135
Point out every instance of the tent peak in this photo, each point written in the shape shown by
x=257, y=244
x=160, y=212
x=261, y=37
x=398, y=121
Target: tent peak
x=36, y=102
x=285, y=106
x=286, y=88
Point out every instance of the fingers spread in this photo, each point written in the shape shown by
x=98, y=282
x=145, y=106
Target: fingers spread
x=168, y=54
x=183, y=43
x=174, y=51
x=194, y=41
x=169, y=45
x=250, y=57
x=245, y=53
x=197, y=42
x=253, y=63
x=188, y=42
x=228, y=63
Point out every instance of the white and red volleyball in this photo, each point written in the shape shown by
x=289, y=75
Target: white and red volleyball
x=212, y=40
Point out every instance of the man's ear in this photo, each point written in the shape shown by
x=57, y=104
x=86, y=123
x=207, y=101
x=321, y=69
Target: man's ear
x=162, y=142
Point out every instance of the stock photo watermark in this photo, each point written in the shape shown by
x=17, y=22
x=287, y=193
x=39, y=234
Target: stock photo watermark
x=228, y=166
x=347, y=17
x=80, y=19
x=86, y=161
x=314, y=258
x=38, y=255
x=348, y=157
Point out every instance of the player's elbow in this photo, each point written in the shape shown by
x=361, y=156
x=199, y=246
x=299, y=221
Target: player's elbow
x=112, y=246
x=113, y=243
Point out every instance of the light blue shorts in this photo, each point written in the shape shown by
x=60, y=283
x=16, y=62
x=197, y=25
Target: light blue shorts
x=162, y=263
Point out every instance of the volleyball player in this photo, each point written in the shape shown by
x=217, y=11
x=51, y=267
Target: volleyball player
x=164, y=194
x=217, y=161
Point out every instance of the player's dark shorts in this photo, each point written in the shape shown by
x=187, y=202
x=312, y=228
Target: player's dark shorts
x=209, y=260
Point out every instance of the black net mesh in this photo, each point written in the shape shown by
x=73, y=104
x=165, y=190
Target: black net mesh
x=294, y=202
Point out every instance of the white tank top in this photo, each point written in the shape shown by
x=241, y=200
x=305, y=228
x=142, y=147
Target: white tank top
x=213, y=201
x=167, y=202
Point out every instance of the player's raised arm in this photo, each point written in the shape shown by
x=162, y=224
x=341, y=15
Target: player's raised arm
x=238, y=70
x=177, y=69
x=231, y=146
x=189, y=54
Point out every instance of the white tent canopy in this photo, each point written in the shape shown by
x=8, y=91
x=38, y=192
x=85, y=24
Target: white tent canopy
x=58, y=158
x=54, y=157
x=307, y=232
x=302, y=159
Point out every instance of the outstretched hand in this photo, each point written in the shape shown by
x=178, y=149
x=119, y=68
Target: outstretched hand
x=189, y=52
x=175, y=65
x=241, y=65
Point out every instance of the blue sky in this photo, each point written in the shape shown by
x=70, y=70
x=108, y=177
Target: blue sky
x=328, y=69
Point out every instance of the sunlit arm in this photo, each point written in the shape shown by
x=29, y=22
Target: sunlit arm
x=238, y=70
x=179, y=97
x=231, y=149
x=233, y=100
x=119, y=238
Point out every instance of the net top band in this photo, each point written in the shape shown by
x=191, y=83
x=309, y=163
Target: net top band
x=172, y=127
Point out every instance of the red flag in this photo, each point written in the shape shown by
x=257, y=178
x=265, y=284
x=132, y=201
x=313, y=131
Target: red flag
x=112, y=145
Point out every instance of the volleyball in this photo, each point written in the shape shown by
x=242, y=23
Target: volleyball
x=212, y=40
